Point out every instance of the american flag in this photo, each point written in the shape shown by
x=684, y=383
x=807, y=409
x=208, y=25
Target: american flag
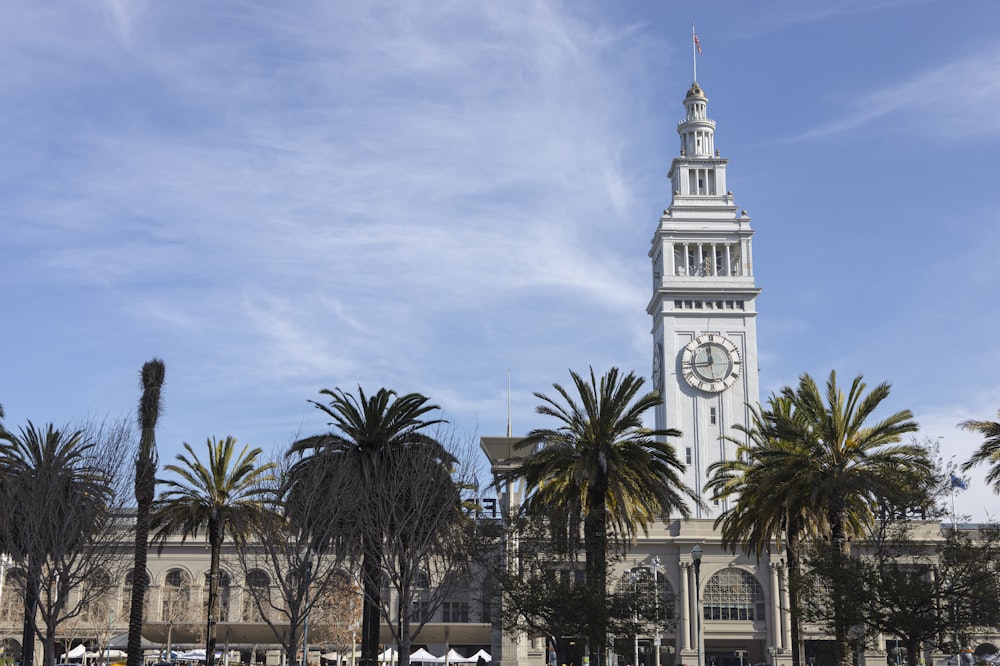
x=697, y=44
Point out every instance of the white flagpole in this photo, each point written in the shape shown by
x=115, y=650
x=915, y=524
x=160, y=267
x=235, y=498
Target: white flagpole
x=510, y=431
x=694, y=52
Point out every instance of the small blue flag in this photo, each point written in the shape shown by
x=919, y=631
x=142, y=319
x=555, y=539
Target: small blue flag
x=958, y=482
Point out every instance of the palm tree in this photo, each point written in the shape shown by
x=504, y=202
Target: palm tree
x=851, y=467
x=988, y=451
x=770, y=502
x=604, y=468
x=365, y=430
x=223, y=495
x=51, y=484
x=146, y=461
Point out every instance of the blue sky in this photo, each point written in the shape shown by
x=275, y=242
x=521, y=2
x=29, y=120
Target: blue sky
x=425, y=195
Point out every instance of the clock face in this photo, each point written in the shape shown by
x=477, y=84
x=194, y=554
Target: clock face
x=711, y=363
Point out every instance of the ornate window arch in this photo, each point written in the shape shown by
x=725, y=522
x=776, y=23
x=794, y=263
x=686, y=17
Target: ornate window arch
x=257, y=585
x=176, y=596
x=224, y=595
x=652, y=590
x=125, y=605
x=12, y=602
x=733, y=595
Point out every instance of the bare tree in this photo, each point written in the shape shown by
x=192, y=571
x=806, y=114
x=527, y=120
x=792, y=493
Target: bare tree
x=293, y=563
x=177, y=605
x=430, y=540
x=65, y=520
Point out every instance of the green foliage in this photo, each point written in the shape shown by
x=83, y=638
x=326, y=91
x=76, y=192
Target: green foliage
x=548, y=595
x=603, y=469
x=222, y=495
x=988, y=451
x=912, y=585
x=343, y=469
x=812, y=463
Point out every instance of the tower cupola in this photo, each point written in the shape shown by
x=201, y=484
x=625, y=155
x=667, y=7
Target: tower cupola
x=697, y=132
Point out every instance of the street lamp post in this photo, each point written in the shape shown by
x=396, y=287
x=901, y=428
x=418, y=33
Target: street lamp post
x=696, y=557
x=656, y=608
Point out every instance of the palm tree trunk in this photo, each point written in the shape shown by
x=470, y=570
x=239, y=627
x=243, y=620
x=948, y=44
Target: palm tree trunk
x=145, y=485
x=838, y=537
x=793, y=554
x=596, y=545
x=371, y=606
x=153, y=373
x=215, y=543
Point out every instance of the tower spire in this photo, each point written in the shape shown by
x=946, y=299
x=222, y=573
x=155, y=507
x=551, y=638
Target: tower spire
x=704, y=302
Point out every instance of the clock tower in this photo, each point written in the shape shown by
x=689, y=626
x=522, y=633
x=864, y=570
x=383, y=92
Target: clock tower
x=703, y=305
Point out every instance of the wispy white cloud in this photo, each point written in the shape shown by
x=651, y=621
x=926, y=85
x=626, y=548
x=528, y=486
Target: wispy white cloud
x=932, y=103
x=783, y=14
x=348, y=192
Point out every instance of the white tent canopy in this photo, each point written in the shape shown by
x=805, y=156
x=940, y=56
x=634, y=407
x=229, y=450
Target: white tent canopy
x=112, y=654
x=482, y=653
x=79, y=652
x=454, y=657
x=423, y=656
x=389, y=655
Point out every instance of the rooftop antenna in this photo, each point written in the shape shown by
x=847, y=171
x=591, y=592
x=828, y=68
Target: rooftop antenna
x=510, y=431
x=695, y=50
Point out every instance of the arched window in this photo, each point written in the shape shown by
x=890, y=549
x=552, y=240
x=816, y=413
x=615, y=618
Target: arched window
x=257, y=590
x=422, y=581
x=221, y=613
x=733, y=594
x=650, y=590
x=125, y=607
x=176, y=595
x=10, y=648
x=12, y=602
x=421, y=611
x=258, y=578
x=97, y=595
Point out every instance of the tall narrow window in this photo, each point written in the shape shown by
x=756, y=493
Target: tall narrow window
x=711, y=415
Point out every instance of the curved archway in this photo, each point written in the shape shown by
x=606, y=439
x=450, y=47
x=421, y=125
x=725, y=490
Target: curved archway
x=176, y=596
x=125, y=607
x=10, y=648
x=733, y=595
x=12, y=601
x=224, y=595
x=256, y=595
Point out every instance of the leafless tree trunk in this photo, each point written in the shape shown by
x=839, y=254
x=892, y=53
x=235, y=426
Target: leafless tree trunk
x=293, y=563
x=428, y=536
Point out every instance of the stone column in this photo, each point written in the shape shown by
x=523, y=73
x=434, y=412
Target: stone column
x=775, y=634
x=685, y=609
x=786, y=616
